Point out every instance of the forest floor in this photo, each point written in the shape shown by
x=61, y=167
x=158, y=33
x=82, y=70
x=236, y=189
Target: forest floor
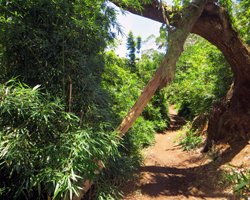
x=170, y=173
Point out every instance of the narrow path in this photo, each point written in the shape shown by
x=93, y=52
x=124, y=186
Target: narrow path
x=170, y=173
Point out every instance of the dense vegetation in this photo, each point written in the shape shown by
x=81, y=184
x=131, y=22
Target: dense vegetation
x=202, y=78
x=44, y=151
x=59, y=113
x=54, y=128
x=50, y=43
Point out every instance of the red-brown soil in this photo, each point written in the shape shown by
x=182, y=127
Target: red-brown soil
x=169, y=173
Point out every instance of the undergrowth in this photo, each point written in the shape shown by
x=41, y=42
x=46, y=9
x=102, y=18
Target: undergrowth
x=240, y=181
x=189, y=139
x=46, y=152
x=124, y=88
x=43, y=150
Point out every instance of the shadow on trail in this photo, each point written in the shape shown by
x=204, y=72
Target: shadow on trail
x=201, y=181
x=176, y=123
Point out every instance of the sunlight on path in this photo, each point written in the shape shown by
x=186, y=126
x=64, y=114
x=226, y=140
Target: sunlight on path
x=171, y=174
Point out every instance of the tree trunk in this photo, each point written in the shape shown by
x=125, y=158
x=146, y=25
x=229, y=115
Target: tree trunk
x=229, y=119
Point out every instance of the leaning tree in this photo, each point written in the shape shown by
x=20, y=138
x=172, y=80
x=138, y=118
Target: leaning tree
x=230, y=118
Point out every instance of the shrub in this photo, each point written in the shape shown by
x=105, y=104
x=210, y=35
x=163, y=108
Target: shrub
x=43, y=151
x=240, y=179
x=157, y=111
x=190, y=140
x=60, y=45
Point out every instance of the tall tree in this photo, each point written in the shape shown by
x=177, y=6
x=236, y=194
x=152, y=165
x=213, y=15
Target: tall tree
x=138, y=44
x=131, y=47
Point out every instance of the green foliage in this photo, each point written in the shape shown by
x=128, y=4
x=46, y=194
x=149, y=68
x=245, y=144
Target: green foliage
x=142, y=133
x=202, y=77
x=242, y=19
x=138, y=44
x=56, y=44
x=121, y=168
x=162, y=40
x=240, y=181
x=131, y=47
x=157, y=110
x=136, y=4
x=188, y=138
x=190, y=141
x=124, y=88
x=122, y=85
x=43, y=151
x=228, y=4
x=108, y=192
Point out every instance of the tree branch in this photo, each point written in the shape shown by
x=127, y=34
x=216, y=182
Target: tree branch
x=214, y=25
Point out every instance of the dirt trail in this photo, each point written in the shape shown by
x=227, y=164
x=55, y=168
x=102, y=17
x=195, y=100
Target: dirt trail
x=170, y=173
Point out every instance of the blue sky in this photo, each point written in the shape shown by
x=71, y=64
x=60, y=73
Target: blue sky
x=140, y=26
